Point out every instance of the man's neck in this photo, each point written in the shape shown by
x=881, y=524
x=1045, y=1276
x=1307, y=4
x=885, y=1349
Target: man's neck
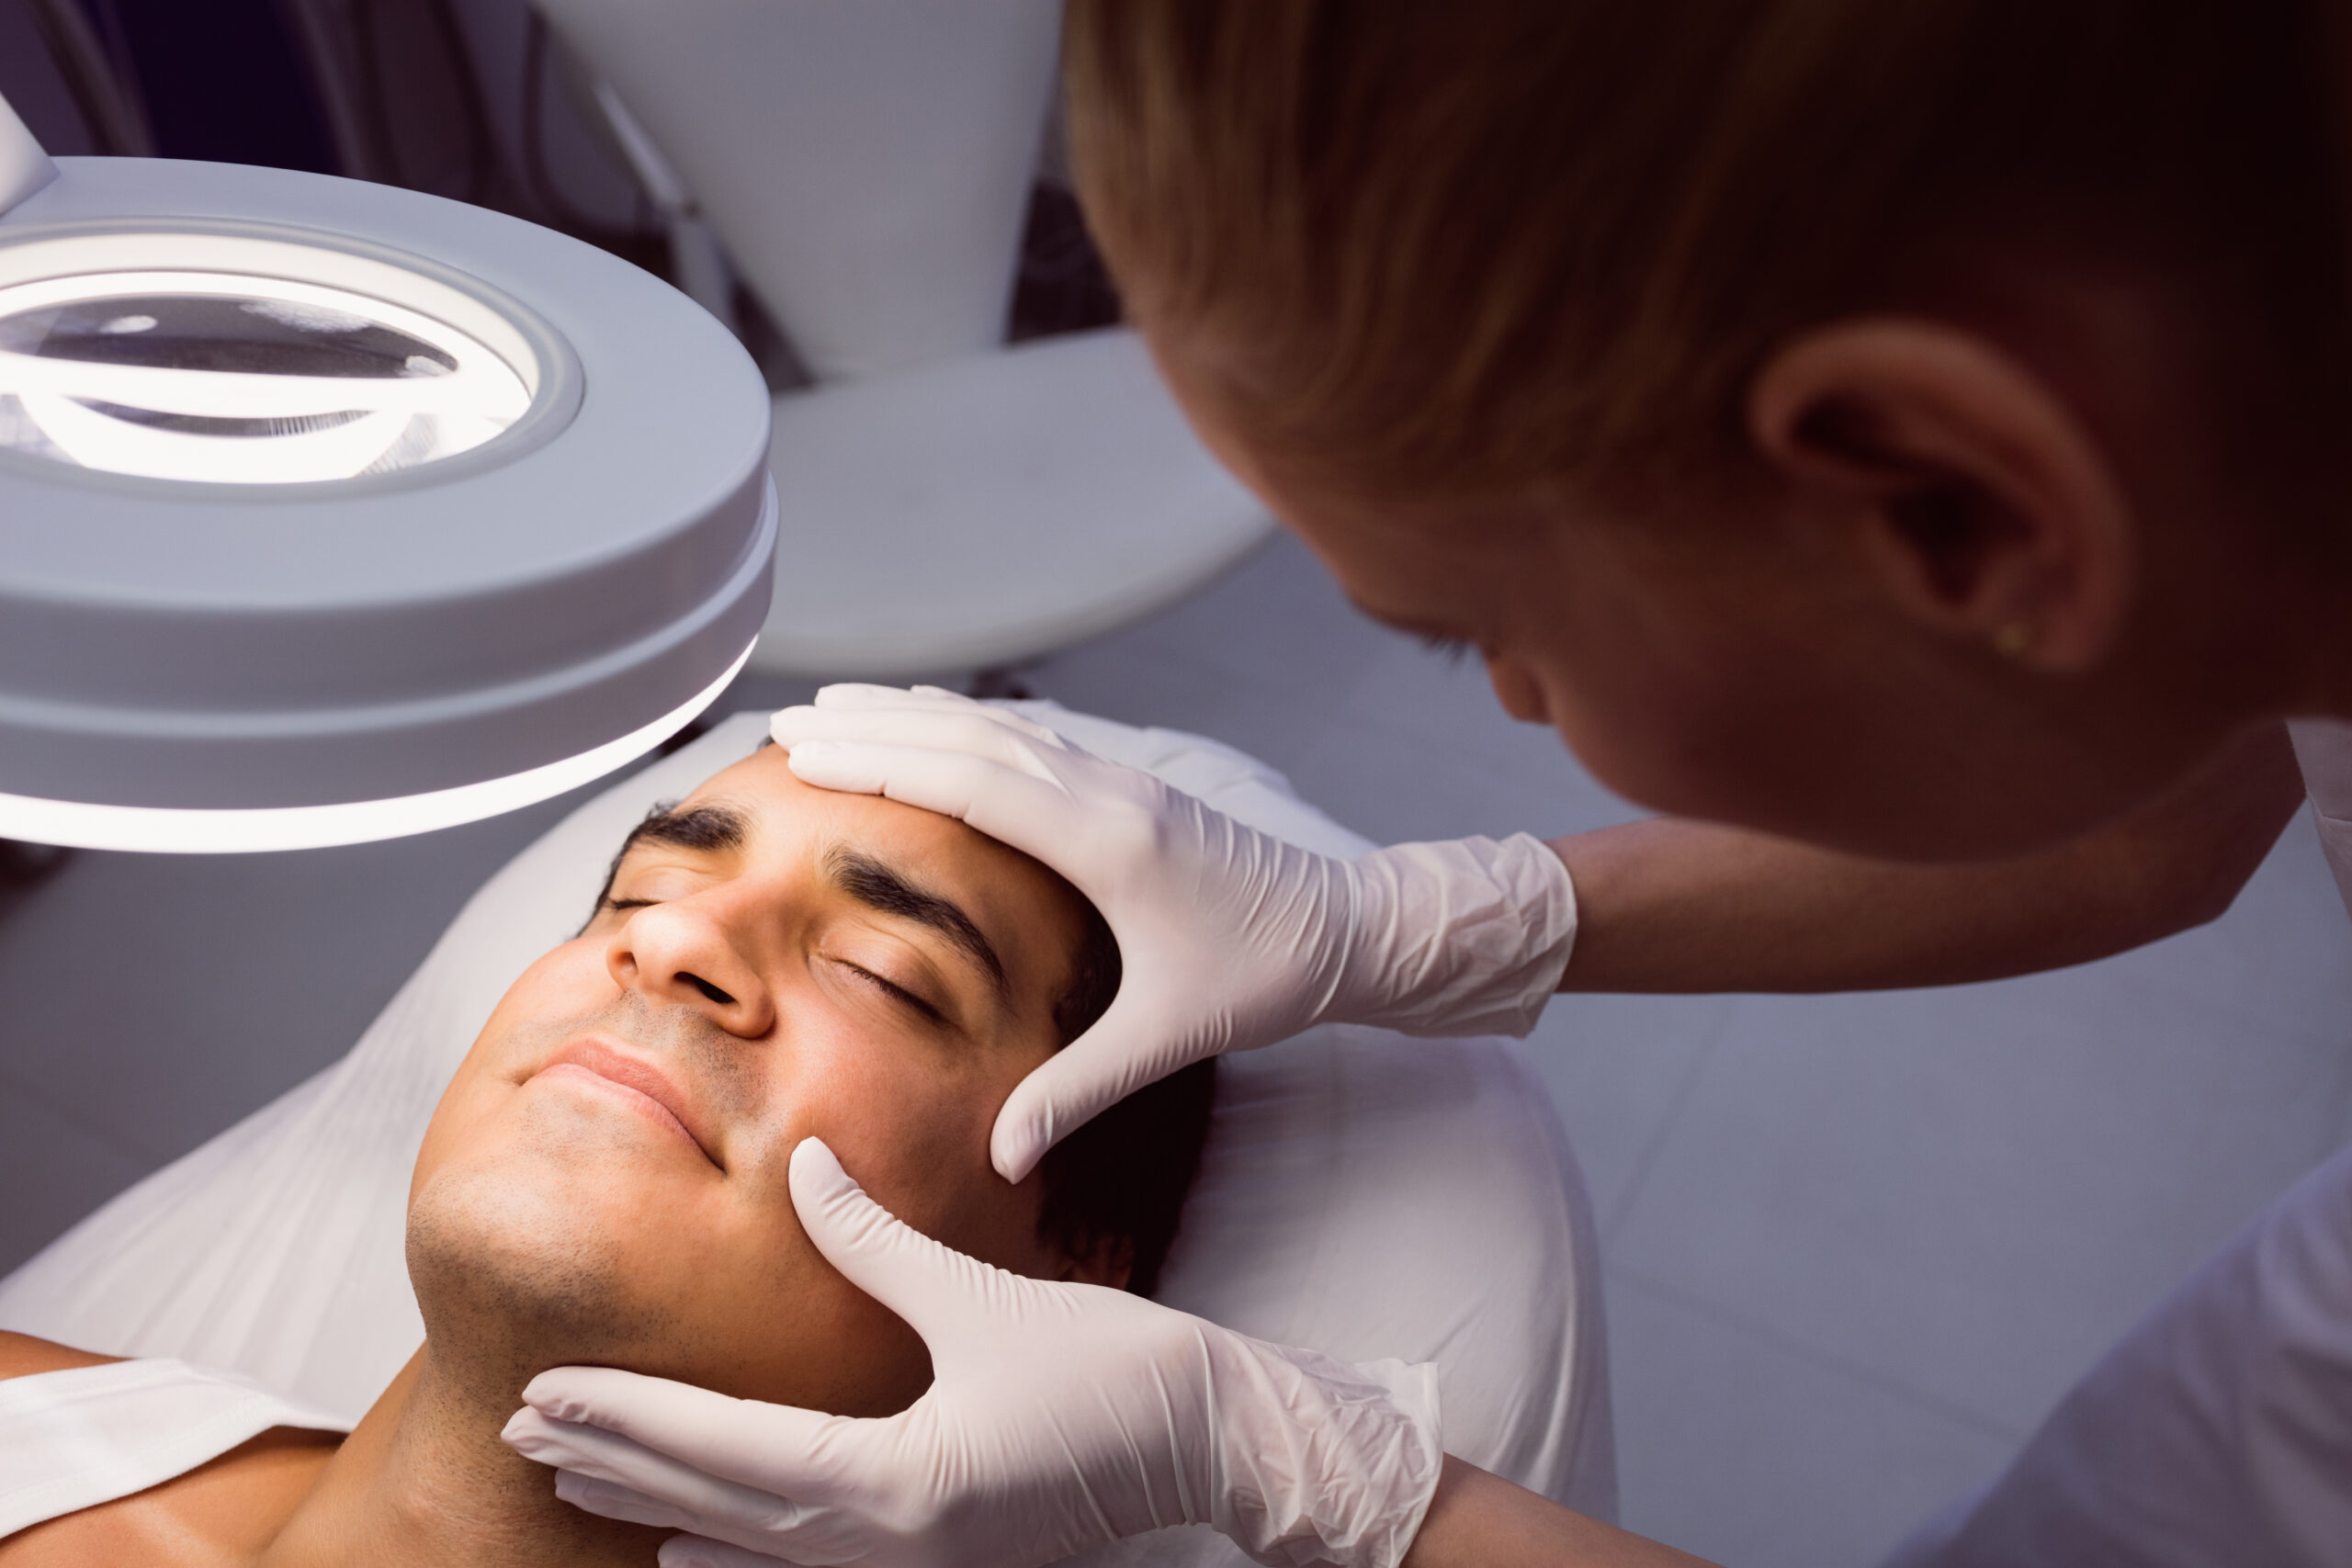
x=424, y=1481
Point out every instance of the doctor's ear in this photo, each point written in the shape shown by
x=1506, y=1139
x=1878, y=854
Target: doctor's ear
x=1985, y=507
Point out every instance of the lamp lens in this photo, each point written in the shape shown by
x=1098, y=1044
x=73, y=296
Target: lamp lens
x=212, y=378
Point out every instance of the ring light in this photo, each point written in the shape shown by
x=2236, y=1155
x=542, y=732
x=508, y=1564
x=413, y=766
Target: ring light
x=332, y=511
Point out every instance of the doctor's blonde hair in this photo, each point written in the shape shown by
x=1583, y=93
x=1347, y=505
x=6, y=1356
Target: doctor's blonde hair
x=1440, y=247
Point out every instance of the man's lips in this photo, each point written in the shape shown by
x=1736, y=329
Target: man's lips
x=636, y=1080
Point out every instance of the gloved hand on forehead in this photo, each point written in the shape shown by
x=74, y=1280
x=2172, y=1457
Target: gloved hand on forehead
x=1229, y=938
x=1059, y=1417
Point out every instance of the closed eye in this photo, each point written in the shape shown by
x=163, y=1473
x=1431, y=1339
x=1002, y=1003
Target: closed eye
x=897, y=992
x=607, y=902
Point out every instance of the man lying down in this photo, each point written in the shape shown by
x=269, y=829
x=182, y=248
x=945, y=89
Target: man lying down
x=603, y=1180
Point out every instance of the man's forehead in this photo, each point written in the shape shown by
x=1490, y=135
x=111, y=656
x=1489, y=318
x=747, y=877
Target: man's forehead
x=766, y=797
x=759, y=803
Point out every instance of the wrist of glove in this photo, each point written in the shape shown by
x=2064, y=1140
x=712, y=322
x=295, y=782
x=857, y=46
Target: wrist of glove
x=1468, y=936
x=1340, y=1465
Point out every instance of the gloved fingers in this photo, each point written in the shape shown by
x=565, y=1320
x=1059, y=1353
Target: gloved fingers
x=608, y=1474
x=871, y=695
x=754, y=1529
x=1007, y=805
x=665, y=1437
x=702, y=1552
x=608, y=1467
x=612, y=1501
x=936, y=1289
x=752, y=1526
x=848, y=696
x=972, y=733
x=1127, y=1047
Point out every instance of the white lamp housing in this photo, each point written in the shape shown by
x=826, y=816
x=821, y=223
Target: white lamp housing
x=331, y=512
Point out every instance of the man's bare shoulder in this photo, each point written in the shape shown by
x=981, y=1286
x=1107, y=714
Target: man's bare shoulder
x=21, y=1356
x=218, y=1514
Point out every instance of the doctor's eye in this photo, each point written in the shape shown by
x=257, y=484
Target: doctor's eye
x=1452, y=650
x=630, y=903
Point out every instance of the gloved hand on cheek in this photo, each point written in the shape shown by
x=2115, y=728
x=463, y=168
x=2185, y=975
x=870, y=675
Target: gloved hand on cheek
x=1061, y=1417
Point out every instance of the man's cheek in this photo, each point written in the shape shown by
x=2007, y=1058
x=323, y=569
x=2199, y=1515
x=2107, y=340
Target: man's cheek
x=560, y=983
x=471, y=1100
x=913, y=1143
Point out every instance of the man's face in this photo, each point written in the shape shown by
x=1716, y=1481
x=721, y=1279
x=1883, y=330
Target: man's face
x=604, y=1180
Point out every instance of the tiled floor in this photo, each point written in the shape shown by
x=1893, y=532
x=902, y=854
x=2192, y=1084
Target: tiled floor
x=1856, y=1246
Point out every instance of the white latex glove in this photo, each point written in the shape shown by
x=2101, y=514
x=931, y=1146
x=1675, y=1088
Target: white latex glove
x=1061, y=1417
x=1229, y=938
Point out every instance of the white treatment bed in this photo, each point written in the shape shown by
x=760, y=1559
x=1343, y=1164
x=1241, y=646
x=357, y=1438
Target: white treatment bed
x=1364, y=1193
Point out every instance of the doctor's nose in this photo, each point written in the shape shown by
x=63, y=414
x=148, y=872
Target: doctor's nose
x=1516, y=687
x=681, y=951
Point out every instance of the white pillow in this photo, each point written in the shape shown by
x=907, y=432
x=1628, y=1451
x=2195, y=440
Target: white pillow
x=1361, y=1193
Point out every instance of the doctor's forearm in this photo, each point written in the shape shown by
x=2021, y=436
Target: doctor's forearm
x=1478, y=1520
x=1677, y=906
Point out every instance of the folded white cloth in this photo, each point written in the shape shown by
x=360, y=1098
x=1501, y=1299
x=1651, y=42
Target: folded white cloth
x=72, y=1439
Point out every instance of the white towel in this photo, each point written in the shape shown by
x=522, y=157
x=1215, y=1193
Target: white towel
x=70, y=1440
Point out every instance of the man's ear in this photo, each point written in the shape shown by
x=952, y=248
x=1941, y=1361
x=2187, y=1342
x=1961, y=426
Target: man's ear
x=1986, y=509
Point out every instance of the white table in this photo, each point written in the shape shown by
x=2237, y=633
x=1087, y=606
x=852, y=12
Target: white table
x=974, y=512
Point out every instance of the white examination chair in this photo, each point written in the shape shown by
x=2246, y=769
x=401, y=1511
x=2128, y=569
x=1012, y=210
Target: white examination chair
x=1361, y=1193
x=946, y=502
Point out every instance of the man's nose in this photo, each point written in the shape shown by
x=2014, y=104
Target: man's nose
x=682, y=951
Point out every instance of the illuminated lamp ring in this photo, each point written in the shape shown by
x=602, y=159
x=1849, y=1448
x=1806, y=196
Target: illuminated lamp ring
x=174, y=830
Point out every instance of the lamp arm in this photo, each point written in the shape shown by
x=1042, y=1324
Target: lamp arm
x=24, y=167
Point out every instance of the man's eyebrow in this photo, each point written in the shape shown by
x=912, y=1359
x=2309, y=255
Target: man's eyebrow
x=707, y=829
x=880, y=888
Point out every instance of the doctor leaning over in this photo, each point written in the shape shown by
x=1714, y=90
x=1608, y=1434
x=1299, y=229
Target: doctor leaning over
x=1908, y=442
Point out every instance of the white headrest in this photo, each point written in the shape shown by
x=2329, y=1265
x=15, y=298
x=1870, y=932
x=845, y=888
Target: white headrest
x=1361, y=1193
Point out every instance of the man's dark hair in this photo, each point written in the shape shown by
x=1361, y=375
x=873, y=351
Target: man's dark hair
x=1121, y=1179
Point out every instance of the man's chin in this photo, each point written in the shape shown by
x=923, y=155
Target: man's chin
x=521, y=1273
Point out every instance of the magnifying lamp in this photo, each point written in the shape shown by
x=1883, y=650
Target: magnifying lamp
x=332, y=511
